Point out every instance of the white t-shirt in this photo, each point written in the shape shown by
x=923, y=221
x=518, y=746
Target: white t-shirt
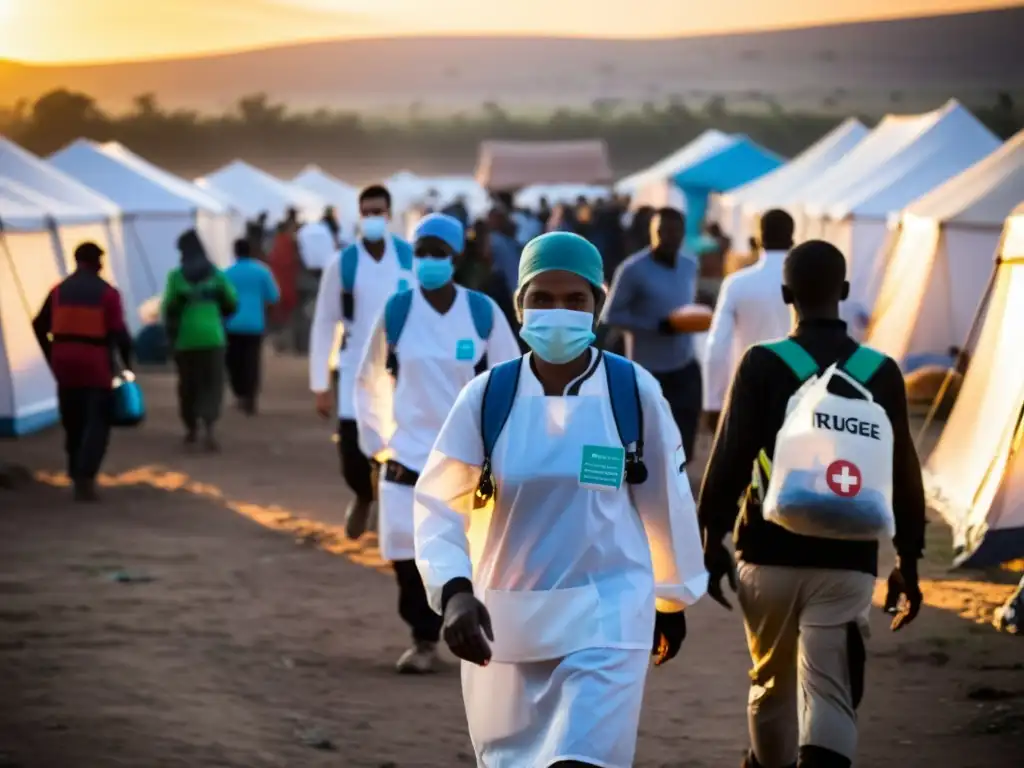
x=316, y=245
x=375, y=282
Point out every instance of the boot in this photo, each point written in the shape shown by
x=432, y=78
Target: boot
x=751, y=762
x=356, y=517
x=819, y=757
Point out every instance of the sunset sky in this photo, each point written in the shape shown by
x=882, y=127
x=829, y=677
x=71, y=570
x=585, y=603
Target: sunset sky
x=98, y=30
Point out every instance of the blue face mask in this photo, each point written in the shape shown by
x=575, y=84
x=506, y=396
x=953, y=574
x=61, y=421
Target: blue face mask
x=434, y=273
x=557, y=336
x=373, y=228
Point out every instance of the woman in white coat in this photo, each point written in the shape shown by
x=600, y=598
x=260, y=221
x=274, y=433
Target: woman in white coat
x=582, y=541
x=427, y=344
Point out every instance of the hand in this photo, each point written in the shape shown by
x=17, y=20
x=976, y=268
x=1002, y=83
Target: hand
x=711, y=418
x=467, y=628
x=665, y=327
x=718, y=561
x=323, y=404
x=904, y=598
x=669, y=633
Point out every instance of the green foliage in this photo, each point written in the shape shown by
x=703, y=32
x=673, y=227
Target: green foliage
x=270, y=133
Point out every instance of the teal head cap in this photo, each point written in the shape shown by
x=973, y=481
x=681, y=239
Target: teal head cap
x=563, y=251
x=445, y=228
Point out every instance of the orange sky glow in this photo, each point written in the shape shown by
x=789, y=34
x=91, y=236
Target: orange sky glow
x=59, y=31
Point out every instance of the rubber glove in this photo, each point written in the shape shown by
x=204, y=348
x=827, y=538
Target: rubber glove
x=669, y=633
x=718, y=562
x=467, y=628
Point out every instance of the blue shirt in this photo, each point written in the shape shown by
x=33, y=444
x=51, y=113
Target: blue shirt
x=256, y=288
x=505, y=253
x=645, y=292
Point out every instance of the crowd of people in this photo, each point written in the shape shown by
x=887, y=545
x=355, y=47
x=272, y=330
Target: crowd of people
x=531, y=484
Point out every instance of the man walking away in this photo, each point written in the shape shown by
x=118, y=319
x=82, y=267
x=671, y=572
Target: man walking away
x=750, y=310
x=80, y=326
x=256, y=290
x=805, y=599
x=196, y=300
x=646, y=289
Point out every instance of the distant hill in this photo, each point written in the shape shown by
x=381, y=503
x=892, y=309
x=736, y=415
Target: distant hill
x=890, y=62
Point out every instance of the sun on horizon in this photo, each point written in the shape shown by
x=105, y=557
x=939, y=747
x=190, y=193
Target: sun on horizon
x=86, y=31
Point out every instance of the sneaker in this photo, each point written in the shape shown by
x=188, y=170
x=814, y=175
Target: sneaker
x=421, y=659
x=356, y=517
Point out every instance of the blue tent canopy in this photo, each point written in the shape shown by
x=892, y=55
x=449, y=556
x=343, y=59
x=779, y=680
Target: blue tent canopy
x=737, y=163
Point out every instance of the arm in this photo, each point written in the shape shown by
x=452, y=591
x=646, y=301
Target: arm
x=666, y=507
x=444, y=500
x=229, y=295
x=908, y=503
x=718, y=355
x=326, y=317
x=117, y=329
x=623, y=300
x=271, y=291
x=374, y=395
x=736, y=447
x=43, y=324
x=502, y=345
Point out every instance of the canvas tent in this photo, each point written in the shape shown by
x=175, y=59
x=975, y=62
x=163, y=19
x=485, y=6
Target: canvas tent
x=653, y=186
x=737, y=162
x=975, y=475
x=156, y=210
x=939, y=266
x=902, y=159
x=738, y=210
x=30, y=265
x=512, y=165
x=252, y=192
x=344, y=197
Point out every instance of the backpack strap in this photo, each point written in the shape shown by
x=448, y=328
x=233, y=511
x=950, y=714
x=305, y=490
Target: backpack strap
x=349, y=265
x=797, y=358
x=864, y=363
x=404, y=252
x=624, y=393
x=482, y=310
x=499, y=397
x=396, y=313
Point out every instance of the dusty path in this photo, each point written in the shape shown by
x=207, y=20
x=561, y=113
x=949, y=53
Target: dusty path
x=245, y=637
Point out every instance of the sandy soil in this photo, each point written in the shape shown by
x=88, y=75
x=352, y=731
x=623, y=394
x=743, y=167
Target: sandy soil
x=209, y=614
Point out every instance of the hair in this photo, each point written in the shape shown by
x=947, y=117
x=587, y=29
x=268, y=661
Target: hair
x=777, y=230
x=815, y=275
x=242, y=249
x=375, y=191
x=671, y=214
x=88, y=253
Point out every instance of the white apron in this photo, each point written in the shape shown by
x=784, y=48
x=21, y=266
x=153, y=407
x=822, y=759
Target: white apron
x=394, y=520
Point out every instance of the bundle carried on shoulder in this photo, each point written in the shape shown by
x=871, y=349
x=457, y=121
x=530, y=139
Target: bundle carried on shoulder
x=831, y=475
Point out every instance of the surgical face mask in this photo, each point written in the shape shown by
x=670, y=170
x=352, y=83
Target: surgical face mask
x=557, y=335
x=373, y=228
x=432, y=273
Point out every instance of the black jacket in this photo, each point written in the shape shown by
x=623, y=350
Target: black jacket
x=754, y=414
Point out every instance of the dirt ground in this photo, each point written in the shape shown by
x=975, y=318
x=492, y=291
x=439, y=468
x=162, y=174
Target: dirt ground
x=209, y=614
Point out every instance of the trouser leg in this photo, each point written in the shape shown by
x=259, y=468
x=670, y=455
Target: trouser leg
x=683, y=391
x=95, y=435
x=832, y=660
x=412, y=603
x=208, y=384
x=235, y=363
x=186, y=389
x=72, y=419
x=355, y=467
x=254, y=366
x=768, y=597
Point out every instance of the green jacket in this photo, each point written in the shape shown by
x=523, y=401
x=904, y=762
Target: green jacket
x=194, y=313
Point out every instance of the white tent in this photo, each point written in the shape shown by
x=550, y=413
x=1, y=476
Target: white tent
x=738, y=210
x=78, y=214
x=975, y=476
x=157, y=209
x=30, y=265
x=344, y=197
x=252, y=192
x=940, y=263
x=653, y=186
x=902, y=159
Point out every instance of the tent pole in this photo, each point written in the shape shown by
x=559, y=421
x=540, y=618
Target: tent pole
x=961, y=360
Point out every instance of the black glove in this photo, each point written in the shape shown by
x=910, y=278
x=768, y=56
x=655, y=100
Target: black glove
x=669, y=633
x=904, y=598
x=718, y=562
x=467, y=628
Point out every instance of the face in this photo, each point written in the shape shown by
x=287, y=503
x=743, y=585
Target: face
x=432, y=248
x=559, y=290
x=374, y=206
x=666, y=233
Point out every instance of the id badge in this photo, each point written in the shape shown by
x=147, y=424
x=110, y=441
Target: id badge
x=602, y=467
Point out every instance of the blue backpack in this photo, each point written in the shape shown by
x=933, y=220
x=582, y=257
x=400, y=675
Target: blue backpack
x=500, y=395
x=396, y=313
x=350, y=265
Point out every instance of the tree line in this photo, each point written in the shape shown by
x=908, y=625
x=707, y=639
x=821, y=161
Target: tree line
x=347, y=143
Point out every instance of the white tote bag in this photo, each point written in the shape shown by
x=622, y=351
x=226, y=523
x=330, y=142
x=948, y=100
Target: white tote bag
x=831, y=475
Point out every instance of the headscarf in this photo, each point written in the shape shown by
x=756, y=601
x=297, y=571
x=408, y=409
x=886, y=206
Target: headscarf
x=195, y=264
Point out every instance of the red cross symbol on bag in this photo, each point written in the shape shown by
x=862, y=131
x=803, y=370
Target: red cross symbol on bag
x=843, y=478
